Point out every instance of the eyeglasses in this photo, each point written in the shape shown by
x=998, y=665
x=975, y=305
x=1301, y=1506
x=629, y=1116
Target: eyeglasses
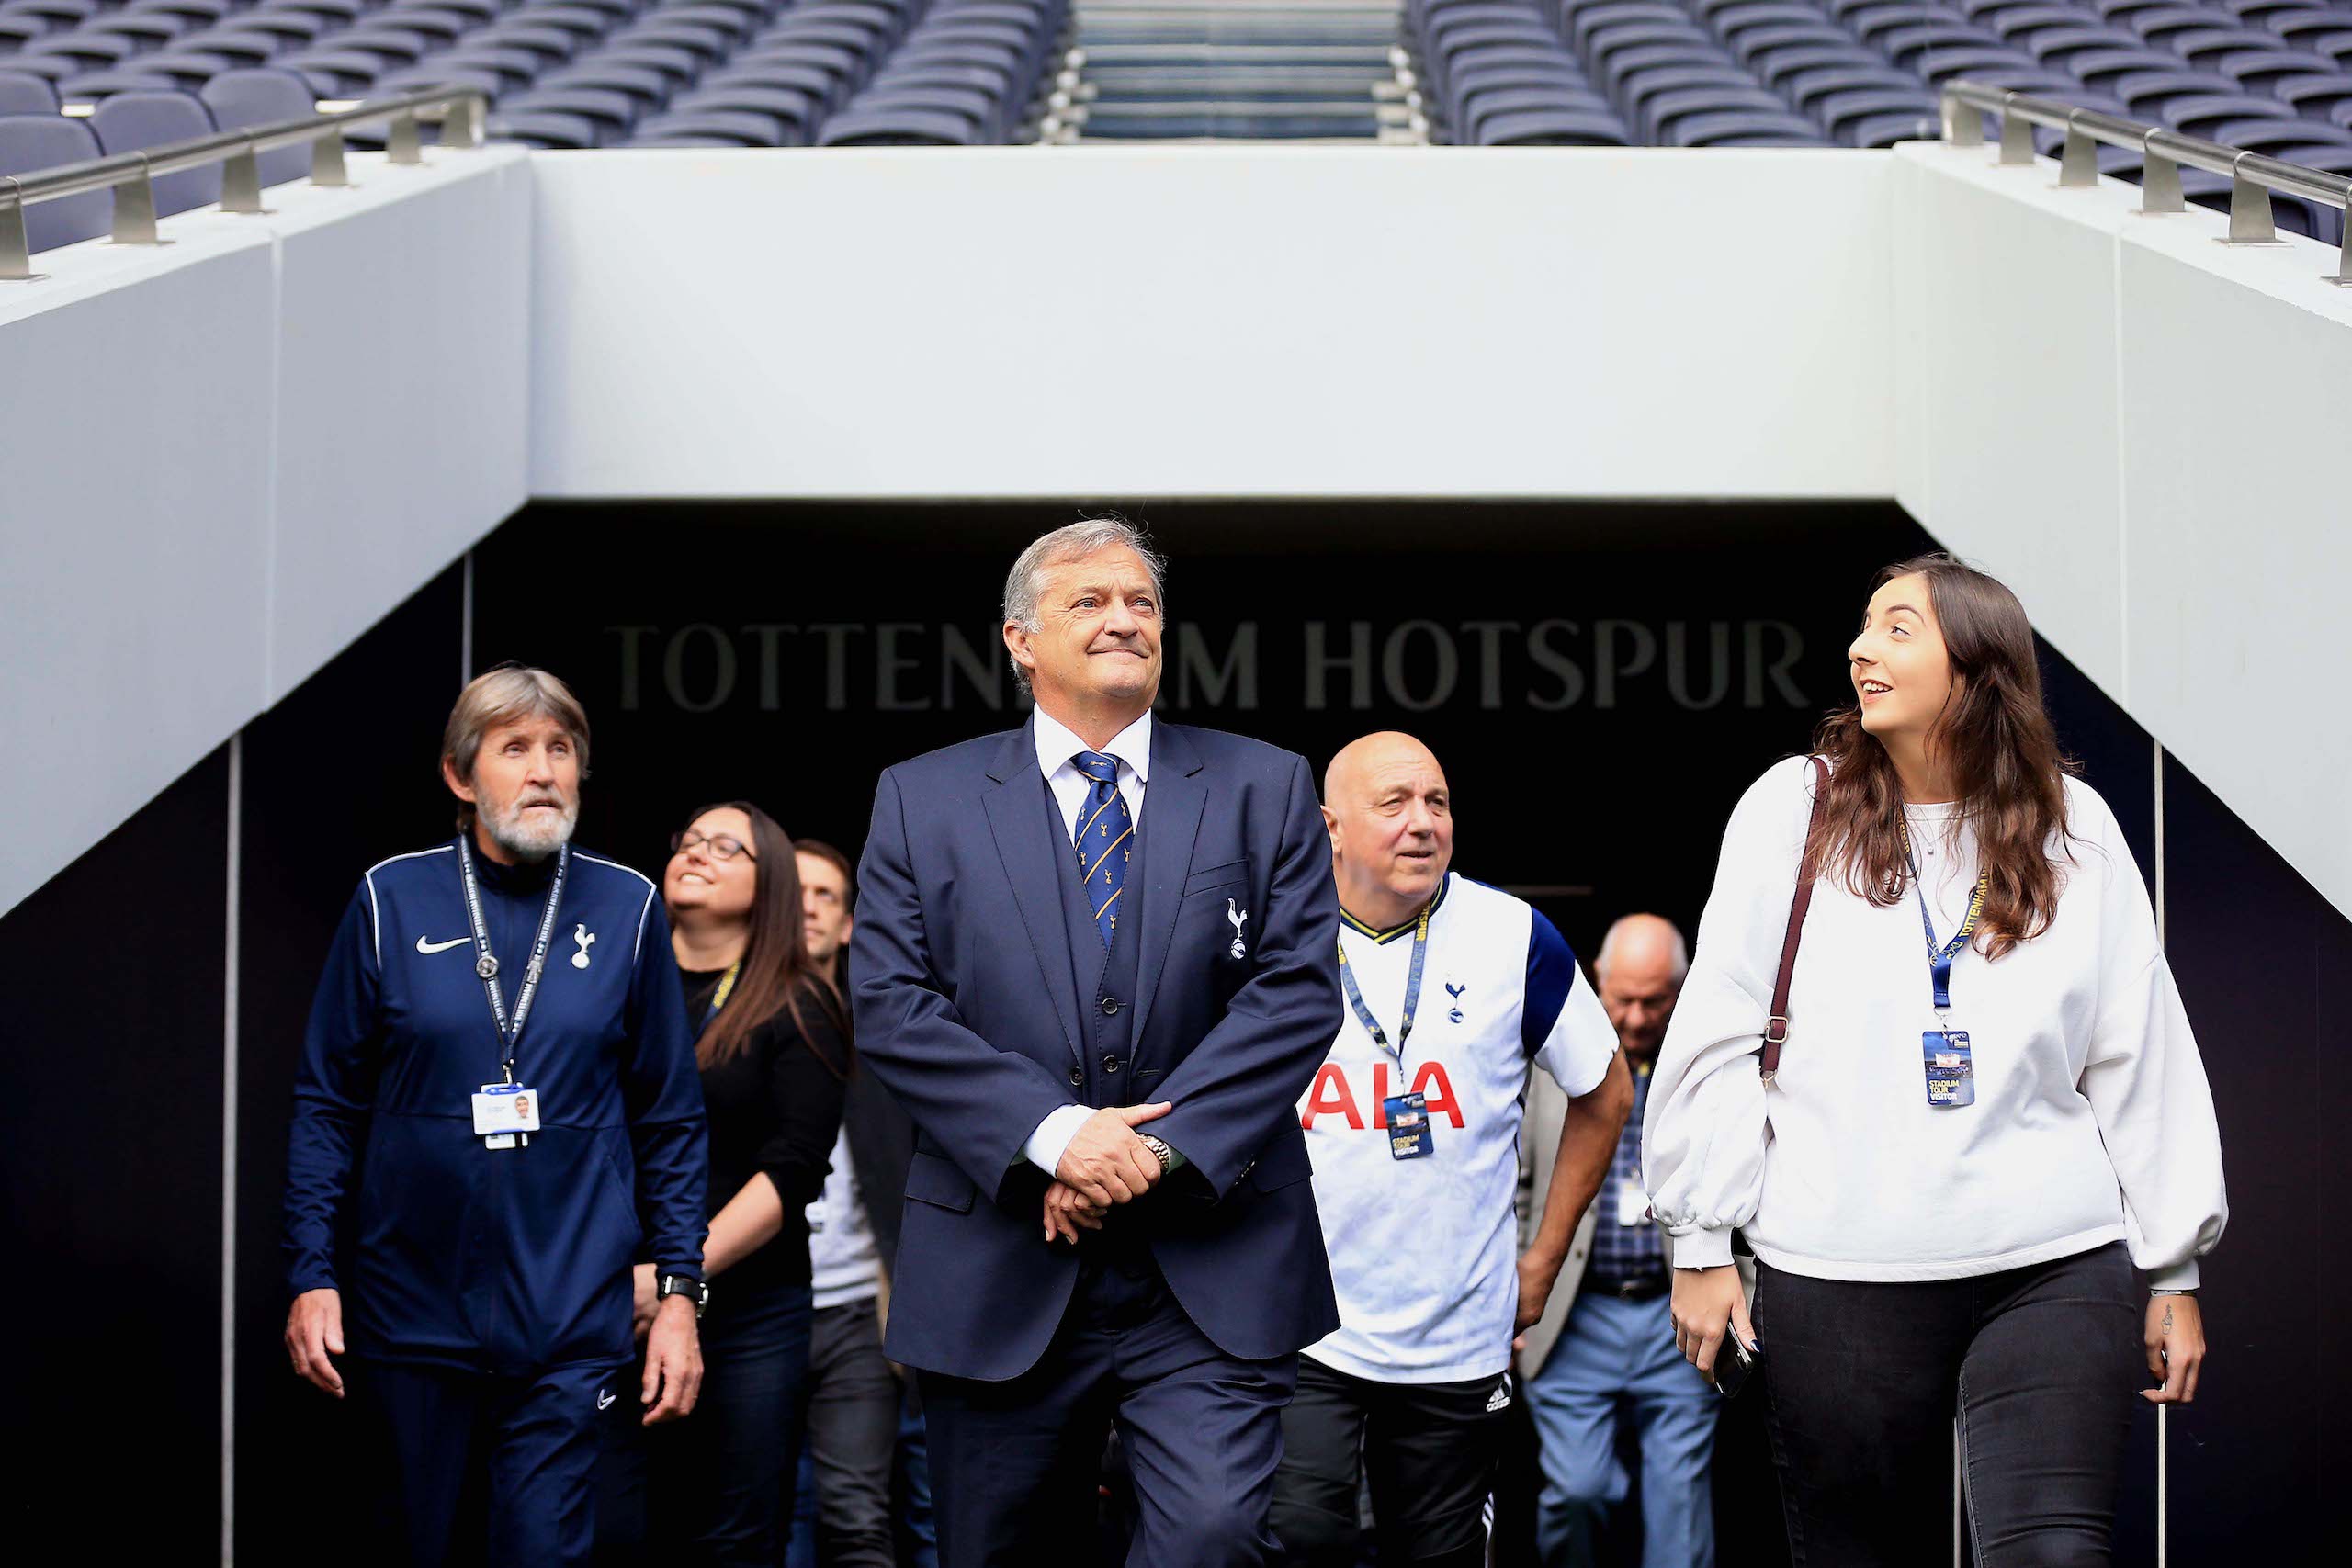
x=719, y=846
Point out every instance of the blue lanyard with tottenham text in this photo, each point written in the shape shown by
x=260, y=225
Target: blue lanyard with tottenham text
x=1412, y=991
x=1939, y=958
x=486, y=962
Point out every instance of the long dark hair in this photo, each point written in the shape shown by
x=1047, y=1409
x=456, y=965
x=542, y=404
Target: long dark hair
x=1993, y=738
x=776, y=974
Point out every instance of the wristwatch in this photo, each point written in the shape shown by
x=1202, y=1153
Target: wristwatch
x=1159, y=1147
x=681, y=1285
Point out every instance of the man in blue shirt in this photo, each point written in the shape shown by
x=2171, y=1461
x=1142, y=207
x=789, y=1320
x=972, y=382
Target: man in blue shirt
x=497, y=1104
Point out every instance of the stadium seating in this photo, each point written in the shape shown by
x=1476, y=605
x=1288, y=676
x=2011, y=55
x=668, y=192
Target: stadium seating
x=30, y=141
x=262, y=97
x=2268, y=75
x=564, y=74
x=129, y=121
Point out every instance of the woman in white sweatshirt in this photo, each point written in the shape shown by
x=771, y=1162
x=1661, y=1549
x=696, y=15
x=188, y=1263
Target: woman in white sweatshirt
x=1960, y=1160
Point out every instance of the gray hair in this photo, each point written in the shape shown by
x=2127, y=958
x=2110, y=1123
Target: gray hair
x=1073, y=541
x=499, y=696
x=1610, y=942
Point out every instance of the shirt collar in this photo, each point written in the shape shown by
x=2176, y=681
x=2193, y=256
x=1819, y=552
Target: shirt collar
x=523, y=876
x=1383, y=938
x=1056, y=744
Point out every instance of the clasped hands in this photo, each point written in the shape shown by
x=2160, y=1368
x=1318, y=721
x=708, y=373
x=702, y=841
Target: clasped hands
x=1105, y=1163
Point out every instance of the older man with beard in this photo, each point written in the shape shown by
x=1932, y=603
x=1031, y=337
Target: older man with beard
x=499, y=1052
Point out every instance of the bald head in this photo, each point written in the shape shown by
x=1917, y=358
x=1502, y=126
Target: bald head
x=1639, y=974
x=1375, y=756
x=1391, y=821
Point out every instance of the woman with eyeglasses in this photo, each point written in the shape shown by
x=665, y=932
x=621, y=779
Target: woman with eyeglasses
x=772, y=1043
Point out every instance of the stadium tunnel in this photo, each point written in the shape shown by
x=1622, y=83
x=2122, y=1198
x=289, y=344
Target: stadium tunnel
x=1574, y=459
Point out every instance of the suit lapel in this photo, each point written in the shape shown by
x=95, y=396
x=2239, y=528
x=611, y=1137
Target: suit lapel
x=1028, y=851
x=1171, y=820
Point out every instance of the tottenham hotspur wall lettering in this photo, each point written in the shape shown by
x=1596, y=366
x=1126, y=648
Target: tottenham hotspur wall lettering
x=1546, y=665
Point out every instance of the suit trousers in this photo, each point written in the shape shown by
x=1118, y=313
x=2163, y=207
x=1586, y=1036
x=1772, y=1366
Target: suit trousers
x=1015, y=1465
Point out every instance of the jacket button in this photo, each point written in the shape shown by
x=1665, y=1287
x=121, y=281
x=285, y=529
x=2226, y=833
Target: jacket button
x=1110, y=1007
x=1077, y=1078
x=1109, y=1064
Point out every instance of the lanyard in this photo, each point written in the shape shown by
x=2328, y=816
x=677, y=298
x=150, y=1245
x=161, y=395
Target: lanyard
x=725, y=988
x=1939, y=958
x=486, y=962
x=1412, y=990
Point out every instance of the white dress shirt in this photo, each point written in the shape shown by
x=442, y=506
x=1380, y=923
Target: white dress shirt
x=1057, y=745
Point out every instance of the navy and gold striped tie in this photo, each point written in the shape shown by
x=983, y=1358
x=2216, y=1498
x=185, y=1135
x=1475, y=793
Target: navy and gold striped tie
x=1106, y=840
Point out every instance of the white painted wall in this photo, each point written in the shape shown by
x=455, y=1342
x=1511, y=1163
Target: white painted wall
x=1212, y=321
x=134, y=531
x=404, y=399
x=222, y=460
x=2144, y=430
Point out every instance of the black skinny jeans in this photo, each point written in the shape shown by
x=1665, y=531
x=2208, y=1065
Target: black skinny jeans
x=1861, y=1381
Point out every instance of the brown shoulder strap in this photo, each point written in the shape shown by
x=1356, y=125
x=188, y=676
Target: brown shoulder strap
x=1776, y=1027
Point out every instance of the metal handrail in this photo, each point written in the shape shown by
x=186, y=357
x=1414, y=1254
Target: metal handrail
x=130, y=175
x=2253, y=175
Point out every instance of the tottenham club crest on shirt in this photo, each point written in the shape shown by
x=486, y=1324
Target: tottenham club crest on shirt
x=1514, y=1003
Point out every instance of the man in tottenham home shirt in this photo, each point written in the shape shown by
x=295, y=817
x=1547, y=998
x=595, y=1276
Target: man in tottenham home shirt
x=1454, y=990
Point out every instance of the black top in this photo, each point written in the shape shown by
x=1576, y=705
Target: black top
x=775, y=1106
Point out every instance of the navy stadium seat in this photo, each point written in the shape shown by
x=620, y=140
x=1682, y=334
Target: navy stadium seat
x=129, y=122
x=26, y=95
x=241, y=99
x=901, y=128
x=34, y=141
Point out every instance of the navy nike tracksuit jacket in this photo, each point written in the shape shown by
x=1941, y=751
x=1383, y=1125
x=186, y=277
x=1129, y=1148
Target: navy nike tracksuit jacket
x=450, y=1253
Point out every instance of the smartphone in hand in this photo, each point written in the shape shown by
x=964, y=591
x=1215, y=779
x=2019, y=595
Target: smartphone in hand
x=1734, y=1362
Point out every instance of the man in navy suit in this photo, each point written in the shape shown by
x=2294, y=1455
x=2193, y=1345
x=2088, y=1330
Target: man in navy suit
x=1093, y=960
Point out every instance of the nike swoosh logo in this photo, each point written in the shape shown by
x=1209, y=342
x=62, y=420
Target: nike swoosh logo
x=431, y=947
x=602, y=1399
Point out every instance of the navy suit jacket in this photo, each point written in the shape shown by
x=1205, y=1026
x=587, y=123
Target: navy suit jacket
x=968, y=1013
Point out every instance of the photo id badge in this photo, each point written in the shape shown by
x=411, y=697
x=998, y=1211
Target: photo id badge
x=1952, y=1080
x=1408, y=1126
x=505, y=1114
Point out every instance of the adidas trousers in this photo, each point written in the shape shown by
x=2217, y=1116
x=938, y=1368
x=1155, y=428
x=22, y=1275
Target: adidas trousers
x=1425, y=1452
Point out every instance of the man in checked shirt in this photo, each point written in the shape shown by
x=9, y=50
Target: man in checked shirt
x=1605, y=1346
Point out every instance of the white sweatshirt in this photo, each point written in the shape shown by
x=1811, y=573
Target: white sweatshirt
x=2091, y=1122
